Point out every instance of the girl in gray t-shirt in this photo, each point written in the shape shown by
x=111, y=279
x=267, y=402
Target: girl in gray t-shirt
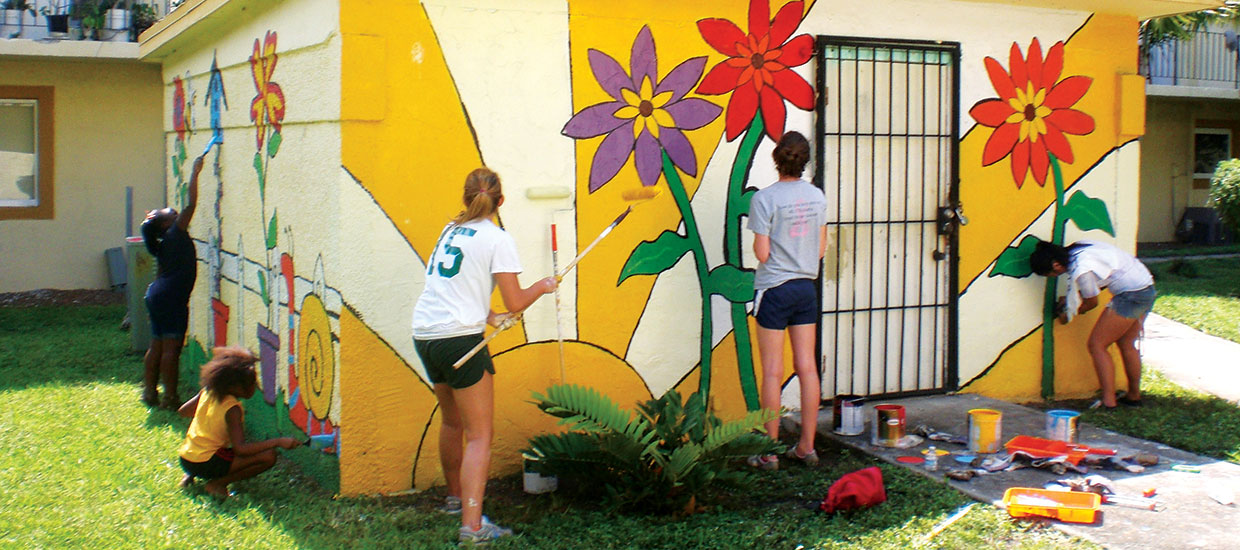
x=788, y=220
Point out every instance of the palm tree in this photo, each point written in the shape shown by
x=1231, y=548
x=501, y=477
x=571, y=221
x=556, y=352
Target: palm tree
x=1183, y=26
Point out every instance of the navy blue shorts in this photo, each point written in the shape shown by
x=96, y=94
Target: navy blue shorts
x=169, y=317
x=794, y=302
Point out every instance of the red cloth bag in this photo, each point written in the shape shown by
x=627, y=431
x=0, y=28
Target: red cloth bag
x=859, y=489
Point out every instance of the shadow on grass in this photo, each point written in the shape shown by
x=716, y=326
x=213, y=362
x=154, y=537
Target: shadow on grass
x=64, y=344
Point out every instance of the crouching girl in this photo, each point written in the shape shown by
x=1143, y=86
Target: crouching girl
x=215, y=448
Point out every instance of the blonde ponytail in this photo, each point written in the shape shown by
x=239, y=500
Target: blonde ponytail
x=482, y=195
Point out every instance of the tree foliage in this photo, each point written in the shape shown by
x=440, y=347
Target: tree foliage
x=1225, y=192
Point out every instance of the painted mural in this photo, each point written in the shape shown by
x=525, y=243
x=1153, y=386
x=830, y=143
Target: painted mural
x=598, y=98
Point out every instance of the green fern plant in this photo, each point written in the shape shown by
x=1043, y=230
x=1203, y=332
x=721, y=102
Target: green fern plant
x=660, y=459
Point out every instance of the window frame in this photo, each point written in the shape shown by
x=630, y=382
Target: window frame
x=44, y=208
x=1210, y=131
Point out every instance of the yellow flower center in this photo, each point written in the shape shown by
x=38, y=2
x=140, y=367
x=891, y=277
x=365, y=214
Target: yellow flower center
x=646, y=108
x=1030, y=112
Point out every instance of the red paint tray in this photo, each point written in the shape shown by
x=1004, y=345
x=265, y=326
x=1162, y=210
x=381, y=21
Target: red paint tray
x=1047, y=448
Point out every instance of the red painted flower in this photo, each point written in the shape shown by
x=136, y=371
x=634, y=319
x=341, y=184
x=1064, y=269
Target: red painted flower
x=268, y=104
x=1032, y=113
x=178, y=107
x=758, y=69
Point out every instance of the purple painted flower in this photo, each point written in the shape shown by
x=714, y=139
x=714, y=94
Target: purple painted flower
x=647, y=115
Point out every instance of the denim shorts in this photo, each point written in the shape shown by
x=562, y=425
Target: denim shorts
x=1133, y=304
x=794, y=302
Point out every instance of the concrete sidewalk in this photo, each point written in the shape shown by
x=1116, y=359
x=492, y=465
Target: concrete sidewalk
x=1192, y=358
x=1191, y=519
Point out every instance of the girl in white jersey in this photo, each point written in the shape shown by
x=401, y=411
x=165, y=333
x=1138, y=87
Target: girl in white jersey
x=788, y=220
x=471, y=258
x=1092, y=266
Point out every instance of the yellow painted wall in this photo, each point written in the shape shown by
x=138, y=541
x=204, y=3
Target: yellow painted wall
x=1105, y=50
x=1167, y=182
x=107, y=120
x=386, y=115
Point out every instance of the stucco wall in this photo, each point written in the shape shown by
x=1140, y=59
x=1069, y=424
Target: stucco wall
x=106, y=138
x=1167, y=183
x=384, y=116
x=268, y=227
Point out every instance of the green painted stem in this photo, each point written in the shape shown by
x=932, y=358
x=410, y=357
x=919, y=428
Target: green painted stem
x=737, y=206
x=1050, y=298
x=703, y=270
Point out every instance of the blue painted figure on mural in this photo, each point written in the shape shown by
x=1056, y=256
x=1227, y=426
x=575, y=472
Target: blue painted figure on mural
x=166, y=234
x=472, y=257
x=788, y=220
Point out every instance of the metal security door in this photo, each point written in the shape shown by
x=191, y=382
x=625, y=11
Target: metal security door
x=887, y=125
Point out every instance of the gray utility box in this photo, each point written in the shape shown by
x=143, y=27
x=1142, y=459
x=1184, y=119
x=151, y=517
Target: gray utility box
x=141, y=271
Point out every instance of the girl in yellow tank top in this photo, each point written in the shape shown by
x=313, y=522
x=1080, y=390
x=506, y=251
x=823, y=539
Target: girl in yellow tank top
x=215, y=448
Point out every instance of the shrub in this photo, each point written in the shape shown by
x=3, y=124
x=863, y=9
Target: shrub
x=1225, y=192
x=660, y=459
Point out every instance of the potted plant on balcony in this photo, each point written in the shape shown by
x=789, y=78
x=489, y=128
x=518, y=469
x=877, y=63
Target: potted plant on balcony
x=143, y=16
x=57, y=17
x=93, y=15
x=16, y=14
x=118, y=20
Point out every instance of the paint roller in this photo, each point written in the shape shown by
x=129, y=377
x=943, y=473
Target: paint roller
x=634, y=197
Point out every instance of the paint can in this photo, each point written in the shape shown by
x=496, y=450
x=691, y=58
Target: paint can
x=888, y=425
x=848, y=415
x=535, y=483
x=1061, y=425
x=985, y=430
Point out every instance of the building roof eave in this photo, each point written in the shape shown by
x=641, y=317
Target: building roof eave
x=1141, y=9
x=191, y=20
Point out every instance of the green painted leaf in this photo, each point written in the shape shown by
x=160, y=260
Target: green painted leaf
x=732, y=283
x=1088, y=213
x=654, y=257
x=262, y=287
x=262, y=181
x=180, y=151
x=1014, y=261
x=273, y=144
x=271, y=232
x=176, y=168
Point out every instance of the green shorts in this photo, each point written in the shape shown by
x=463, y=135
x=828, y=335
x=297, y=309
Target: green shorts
x=438, y=356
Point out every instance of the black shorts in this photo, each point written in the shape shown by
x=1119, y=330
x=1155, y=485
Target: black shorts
x=214, y=468
x=791, y=303
x=439, y=354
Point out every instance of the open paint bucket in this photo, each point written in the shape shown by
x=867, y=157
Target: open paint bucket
x=848, y=415
x=985, y=430
x=1061, y=425
x=888, y=425
x=535, y=483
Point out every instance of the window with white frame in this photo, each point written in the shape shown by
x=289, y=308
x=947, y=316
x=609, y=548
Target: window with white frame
x=1210, y=147
x=19, y=152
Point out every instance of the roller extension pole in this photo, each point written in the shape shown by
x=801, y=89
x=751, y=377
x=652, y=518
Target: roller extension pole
x=635, y=197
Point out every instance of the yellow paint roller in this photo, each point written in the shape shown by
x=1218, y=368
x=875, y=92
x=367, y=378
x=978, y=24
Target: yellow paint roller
x=634, y=197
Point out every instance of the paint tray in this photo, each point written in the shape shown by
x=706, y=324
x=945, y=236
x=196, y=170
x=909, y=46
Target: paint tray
x=1047, y=448
x=1072, y=507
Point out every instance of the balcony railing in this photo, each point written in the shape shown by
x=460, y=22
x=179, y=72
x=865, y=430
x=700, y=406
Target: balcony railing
x=114, y=24
x=1209, y=60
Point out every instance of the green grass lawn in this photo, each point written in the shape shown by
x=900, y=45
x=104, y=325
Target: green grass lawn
x=1203, y=294
x=84, y=465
